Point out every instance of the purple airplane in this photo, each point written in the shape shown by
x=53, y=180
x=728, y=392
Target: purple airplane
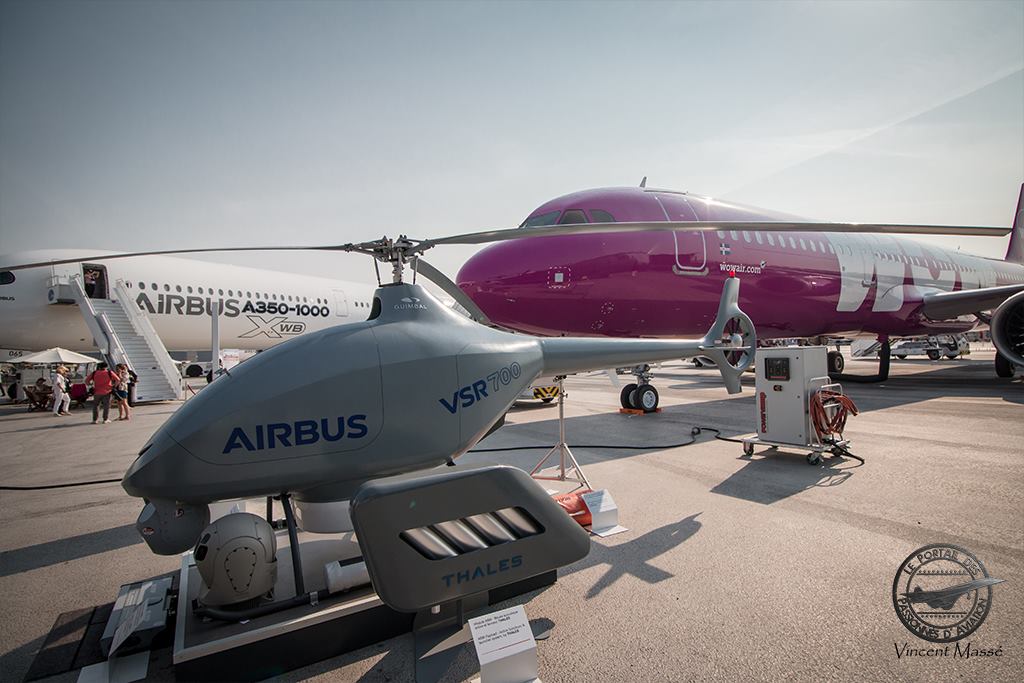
x=797, y=284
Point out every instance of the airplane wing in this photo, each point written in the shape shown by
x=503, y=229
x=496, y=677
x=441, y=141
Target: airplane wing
x=944, y=305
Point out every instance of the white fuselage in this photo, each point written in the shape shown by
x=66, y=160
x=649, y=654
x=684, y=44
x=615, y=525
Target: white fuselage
x=261, y=308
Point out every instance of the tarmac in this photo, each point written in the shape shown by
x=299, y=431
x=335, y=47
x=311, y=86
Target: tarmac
x=732, y=568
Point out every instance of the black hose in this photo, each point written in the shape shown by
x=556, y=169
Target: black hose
x=60, y=486
x=694, y=432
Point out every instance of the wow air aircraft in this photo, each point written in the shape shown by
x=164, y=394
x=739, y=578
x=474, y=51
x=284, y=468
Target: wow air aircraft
x=797, y=285
x=260, y=307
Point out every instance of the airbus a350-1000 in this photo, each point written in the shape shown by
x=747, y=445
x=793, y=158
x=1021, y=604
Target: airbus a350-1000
x=260, y=308
x=799, y=284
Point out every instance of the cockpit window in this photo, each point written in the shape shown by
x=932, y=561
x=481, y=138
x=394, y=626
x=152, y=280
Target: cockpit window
x=599, y=216
x=6, y=277
x=548, y=218
x=572, y=216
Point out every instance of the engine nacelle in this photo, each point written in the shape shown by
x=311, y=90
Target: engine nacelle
x=1008, y=329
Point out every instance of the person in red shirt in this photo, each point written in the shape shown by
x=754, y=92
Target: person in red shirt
x=103, y=382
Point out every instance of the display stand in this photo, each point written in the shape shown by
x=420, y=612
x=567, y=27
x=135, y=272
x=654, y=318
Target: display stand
x=565, y=455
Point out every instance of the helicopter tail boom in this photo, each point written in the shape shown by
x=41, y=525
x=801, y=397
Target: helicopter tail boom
x=729, y=343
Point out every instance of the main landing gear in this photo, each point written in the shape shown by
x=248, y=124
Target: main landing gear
x=836, y=362
x=640, y=395
x=884, y=356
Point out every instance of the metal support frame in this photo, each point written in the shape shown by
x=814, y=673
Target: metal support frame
x=293, y=543
x=562, y=448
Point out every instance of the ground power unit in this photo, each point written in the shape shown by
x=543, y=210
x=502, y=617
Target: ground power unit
x=787, y=379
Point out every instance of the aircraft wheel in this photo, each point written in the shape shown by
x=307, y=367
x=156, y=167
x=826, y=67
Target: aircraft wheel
x=748, y=449
x=901, y=356
x=813, y=458
x=646, y=398
x=933, y=354
x=626, y=396
x=1004, y=368
x=836, y=363
x=951, y=356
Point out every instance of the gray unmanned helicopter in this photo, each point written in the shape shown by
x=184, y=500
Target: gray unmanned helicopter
x=348, y=413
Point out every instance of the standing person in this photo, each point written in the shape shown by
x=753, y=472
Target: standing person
x=124, y=411
x=103, y=382
x=90, y=282
x=61, y=399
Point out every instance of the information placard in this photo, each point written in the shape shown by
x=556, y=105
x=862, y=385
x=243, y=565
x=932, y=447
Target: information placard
x=505, y=646
x=604, y=513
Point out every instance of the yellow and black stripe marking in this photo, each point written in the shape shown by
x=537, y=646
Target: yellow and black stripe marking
x=545, y=392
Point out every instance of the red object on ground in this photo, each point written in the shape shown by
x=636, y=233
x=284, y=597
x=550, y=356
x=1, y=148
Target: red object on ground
x=574, y=506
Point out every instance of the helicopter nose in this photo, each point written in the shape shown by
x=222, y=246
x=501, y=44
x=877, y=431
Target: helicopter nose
x=158, y=469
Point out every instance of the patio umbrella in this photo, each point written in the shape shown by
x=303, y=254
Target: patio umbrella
x=56, y=355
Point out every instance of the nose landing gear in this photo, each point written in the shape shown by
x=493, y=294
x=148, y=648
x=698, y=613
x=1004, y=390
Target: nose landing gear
x=640, y=395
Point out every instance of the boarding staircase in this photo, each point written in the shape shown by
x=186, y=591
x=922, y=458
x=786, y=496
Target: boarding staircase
x=864, y=348
x=124, y=334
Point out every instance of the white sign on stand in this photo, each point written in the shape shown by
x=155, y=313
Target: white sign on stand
x=603, y=512
x=505, y=646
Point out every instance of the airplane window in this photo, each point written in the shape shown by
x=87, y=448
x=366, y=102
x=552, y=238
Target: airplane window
x=200, y=290
x=733, y=234
x=721, y=234
x=231, y=292
x=543, y=219
x=289, y=297
x=167, y=287
x=177, y=288
x=189, y=289
x=757, y=236
x=770, y=240
x=746, y=236
x=822, y=247
x=599, y=216
x=572, y=216
x=792, y=243
x=274, y=297
x=152, y=286
x=802, y=245
x=248, y=295
x=831, y=250
x=813, y=248
x=220, y=292
x=6, y=277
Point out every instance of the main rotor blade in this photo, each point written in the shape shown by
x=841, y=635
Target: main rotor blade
x=453, y=290
x=167, y=252
x=501, y=235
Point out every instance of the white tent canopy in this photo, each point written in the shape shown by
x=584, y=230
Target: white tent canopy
x=56, y=355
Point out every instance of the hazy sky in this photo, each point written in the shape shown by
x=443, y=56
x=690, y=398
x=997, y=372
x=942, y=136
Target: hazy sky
x=141, y=125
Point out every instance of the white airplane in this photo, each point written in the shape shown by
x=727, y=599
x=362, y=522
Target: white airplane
x=261, y=308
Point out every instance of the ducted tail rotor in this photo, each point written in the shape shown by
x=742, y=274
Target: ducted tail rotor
x=731, y=342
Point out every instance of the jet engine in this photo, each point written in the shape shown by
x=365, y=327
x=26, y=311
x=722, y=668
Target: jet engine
x=1008, y=334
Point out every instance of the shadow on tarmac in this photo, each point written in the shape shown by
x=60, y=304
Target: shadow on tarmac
x=633, y=557
x=767, y=480
x=67, y=549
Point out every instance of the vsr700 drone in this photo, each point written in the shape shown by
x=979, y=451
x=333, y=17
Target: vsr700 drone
x=322, y=416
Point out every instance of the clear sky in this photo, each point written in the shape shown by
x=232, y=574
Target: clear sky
x=146, y=125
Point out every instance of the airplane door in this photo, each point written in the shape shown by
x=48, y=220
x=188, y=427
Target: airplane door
x=340, y=303
x=690, y=247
